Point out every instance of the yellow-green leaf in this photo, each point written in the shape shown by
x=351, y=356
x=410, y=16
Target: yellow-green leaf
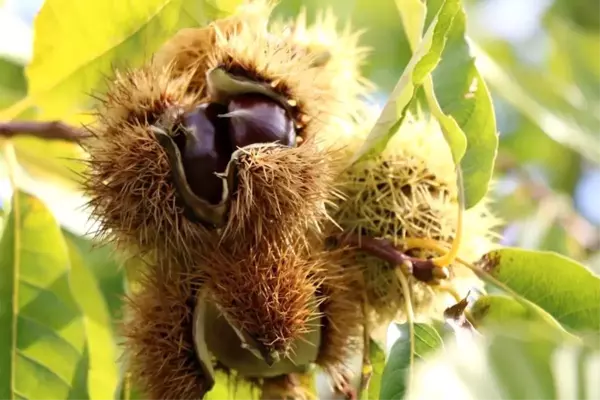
x=463, y=95
x=53, y=161
x=394, y=382
x=13, y=85
x=515, y=363
x=457, y=96
x=377, y=360
x=77, y=44
x=562, y=287
x=100, y=362
x=496, y=310
x=42, y=336
x=425, y=58
x=109, y=273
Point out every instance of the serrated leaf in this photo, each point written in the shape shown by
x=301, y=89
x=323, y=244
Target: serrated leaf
x=425, y=58
x=445, y=16
x=511, y=364
x=42, y=335
x=562, y=287
x=100, y=362
x=75, y=47
x=394, y=381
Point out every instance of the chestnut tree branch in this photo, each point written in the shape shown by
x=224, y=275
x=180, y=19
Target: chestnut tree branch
x=43, y=130
x=423, y=270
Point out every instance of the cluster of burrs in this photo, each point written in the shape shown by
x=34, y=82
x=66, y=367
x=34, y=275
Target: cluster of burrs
x=222, y=164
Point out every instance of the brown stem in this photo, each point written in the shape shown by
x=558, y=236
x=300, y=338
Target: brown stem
x=423, y=270
x=43, y=130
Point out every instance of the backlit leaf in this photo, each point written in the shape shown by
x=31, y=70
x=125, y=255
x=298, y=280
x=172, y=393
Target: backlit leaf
x=77, y=44
x=42, y=335
x=425, y=58
x=562, y=287
x=395, y=374
x=100, y=363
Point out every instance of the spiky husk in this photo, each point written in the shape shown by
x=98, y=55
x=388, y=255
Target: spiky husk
x=288, y=282
x=128, y=179
x=324, y=98
x=267, y=290
x=409, y=191
x=158, y=332
x=282, y=194
x=345, y=54
x=342, y=322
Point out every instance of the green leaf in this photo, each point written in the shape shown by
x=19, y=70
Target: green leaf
x=13, y=85
x=394, y=381
x=54, y=162
x=511, y=364
x=445, y=16
x=224, y=389
x=528, y=144
x=458, y=98
x=42, y=335
x=100, y=362
x=562, y=287
x=425, y=58
x=499, y=310
x=107, y=270
x=462, y=94
x=41, y=158
x=75, y=46
x=537, y=96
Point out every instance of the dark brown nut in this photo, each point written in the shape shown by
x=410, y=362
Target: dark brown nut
x=205, y=150
x=254, y=118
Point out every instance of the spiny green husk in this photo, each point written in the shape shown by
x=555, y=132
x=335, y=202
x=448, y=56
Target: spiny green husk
x=409, y=191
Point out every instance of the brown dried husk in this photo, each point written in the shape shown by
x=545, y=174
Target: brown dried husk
x=128, y=179
x=277, y=212
x=325, y=98
x=159, y=343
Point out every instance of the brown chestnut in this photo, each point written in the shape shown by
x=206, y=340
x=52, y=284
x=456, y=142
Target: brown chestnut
x=255, y=118
x=205, y=149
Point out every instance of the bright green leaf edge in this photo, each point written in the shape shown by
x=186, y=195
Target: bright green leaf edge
x=394, y=380
x=424, y=60
x=562, y=287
